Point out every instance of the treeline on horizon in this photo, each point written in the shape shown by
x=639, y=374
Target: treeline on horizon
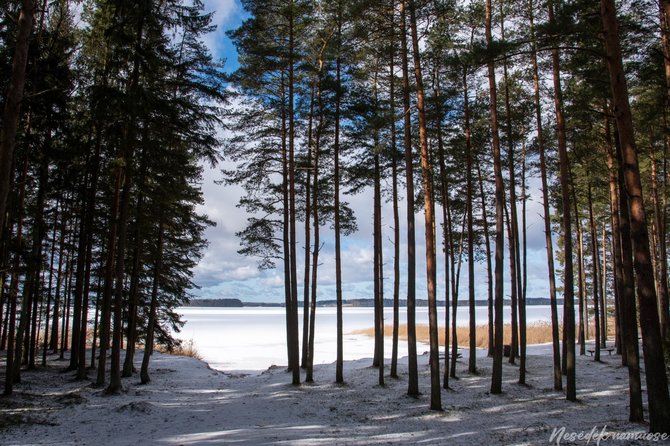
x=454, y=110
x=367, y=303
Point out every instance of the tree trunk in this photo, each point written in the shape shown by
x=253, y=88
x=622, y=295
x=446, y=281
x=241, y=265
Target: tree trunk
x=489, y=270
x=396, y=214
x=413, y=377
x=558, y=383
x=285, y=225
x=315, y=212
x=429, y=210
x=472, y=360
x=339, y=364
x=378, y=271
x=568, y=280
x=308, y=232
x=12, y=110
x=513, y=231
x=659, y=222
x=594, y=261
x=496, y=375
x=657, y=383
x=524, y=273
x=109, y=279
x=294, y=338
x=12, y=355
x=628, y=314
x=583, y=324
x=151, y=324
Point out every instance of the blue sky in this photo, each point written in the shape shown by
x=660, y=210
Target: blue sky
x=223, y=273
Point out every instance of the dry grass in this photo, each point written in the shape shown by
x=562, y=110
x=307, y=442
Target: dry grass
x=536, y=333
x=187, y=348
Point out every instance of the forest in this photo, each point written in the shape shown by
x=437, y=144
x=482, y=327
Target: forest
x=459, y=113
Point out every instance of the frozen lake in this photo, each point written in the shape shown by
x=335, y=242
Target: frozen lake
x=254, y=338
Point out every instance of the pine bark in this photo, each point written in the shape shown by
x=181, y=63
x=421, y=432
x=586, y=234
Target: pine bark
x=558, y=382
x=624, y=282
x=568, y=280
x=413, y=376
x=496, y=376
x=429, y=214
x=657, y=382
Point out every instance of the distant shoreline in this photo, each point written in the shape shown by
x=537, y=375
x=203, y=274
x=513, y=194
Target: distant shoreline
x=356, y=303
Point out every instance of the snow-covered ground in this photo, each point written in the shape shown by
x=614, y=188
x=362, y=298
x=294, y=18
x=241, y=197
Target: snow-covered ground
x=189, y=403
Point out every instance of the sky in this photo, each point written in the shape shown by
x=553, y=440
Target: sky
x=223, y=273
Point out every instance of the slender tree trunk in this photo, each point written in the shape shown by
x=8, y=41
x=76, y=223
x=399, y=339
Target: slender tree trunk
x=294, y=338
x=38, y=237
x=558, y=383
x=53, y=343
x=524, y=273
x=308, y=232
x=396, y=214
x=594, y=261
x=448, y=257
x=12, y=110
x=489, y=269
x=603, y=290
x=583, y=324
x=133, y=298
x=47, y=315
x=96, y=322
x=429, y=211
x=496, y=376
x=659, y=222
x=455, y=286
x=12, y=355
x=316, y=223
x=105, y=320
x=339, y=365
x=378, y=271
x=657, y=382
x=285, y=225
x=472, y=360
x=151, y=324
x=446, y=222
x=413, y=378
x=513, y=231
x=568, y=281
x=664, y=298
x=628, y=315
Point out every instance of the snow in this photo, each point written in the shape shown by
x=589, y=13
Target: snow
x=188, y=403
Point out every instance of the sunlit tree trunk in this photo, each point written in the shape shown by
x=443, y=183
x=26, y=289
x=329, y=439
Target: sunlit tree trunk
x=429, y=210
x=657, y=383
x=413, y=376
x=496, y=376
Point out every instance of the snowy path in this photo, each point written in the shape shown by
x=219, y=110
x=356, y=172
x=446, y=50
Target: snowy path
x=189, y=403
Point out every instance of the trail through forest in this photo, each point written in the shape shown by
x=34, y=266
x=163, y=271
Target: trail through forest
x=188, y=403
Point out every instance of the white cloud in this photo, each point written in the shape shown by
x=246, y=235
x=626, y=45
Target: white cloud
x=225, y=12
